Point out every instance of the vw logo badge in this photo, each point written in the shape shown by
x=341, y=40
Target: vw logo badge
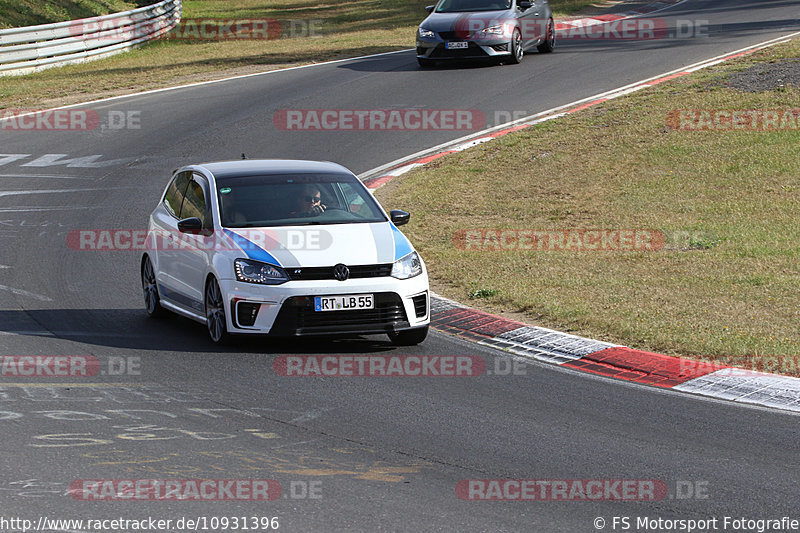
x=341, y=272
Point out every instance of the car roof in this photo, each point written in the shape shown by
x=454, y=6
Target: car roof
x=256, y=167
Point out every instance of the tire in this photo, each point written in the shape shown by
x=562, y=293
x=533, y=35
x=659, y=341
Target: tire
x=215, y=313
x=425, y=63
x=409, y=337
x=549, y=43
x=516, y=48
x=152, y=301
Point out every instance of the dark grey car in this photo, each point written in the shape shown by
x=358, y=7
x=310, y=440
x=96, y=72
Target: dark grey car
x=484, y=29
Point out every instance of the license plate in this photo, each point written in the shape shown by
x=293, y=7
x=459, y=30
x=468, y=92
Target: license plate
x=456, y=44
x=345, y=302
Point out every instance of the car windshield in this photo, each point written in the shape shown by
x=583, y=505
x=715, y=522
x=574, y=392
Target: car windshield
x=457, y=6
x=295, y=200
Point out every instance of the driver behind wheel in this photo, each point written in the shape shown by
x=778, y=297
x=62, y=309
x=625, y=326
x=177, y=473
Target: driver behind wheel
x=308, y=203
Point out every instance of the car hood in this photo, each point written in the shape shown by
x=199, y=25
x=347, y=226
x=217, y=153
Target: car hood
x=464, y=22
x=322, y=245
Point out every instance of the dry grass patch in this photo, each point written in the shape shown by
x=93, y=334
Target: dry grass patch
x=726, y=283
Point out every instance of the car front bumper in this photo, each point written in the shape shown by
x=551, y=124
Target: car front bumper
x=437, y=50
x=288, y=309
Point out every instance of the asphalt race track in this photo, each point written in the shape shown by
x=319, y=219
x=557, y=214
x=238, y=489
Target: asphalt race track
x=350, y=454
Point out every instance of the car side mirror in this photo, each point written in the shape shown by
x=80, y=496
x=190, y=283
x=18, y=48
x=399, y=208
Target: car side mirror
x=429, y=9
x=399, y=217
x=190, y=225
x=524, y=4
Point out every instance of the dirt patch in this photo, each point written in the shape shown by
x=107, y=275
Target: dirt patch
x=767, y=76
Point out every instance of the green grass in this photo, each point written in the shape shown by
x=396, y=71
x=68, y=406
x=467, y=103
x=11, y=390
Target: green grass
x=342, y=29
x=727, y=280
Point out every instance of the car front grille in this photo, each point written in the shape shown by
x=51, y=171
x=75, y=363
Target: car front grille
x=326, y=272
x=451, y=35
x=298, y=317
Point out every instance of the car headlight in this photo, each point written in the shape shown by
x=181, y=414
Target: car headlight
x=407, y=267
x=251, y=271
x=425, y=34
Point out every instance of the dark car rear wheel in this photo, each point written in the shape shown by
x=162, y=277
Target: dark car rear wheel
x=516, y=48
x=549, y=40
x=409, y=337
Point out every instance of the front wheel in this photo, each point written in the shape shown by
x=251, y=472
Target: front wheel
x=215, y=313
x=152, y=302
x=549, y=39
x=424, y=62
x=516, y=48
x=409, y=337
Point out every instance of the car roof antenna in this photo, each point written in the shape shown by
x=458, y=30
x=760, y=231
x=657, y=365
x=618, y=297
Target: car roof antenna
x=244, y=156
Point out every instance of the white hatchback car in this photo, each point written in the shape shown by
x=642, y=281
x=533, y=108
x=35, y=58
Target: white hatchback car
x=285, y=248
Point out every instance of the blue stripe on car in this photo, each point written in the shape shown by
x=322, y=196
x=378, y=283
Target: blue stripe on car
x=401, y=245
x=384, y=246
x=252, y=250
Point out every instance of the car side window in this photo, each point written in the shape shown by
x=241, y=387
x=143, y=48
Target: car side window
x=194, y=202
x=175, y=193
x=353, y=200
